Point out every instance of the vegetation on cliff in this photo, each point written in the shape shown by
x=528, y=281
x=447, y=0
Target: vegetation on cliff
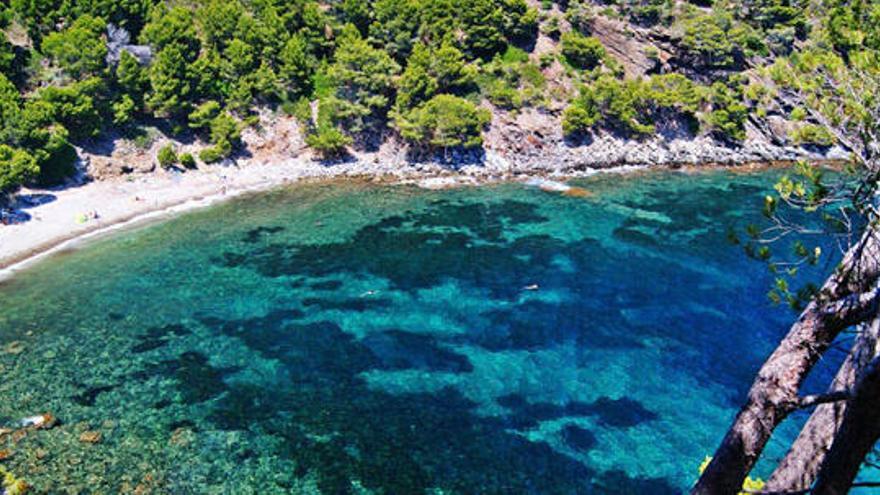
x=356, y=72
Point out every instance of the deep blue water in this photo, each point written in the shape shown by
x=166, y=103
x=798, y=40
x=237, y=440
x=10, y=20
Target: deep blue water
x=351, y=338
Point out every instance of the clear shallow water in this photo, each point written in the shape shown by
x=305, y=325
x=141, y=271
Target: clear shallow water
x=349, y=338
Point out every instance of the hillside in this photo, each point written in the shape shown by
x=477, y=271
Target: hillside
x=130, y=86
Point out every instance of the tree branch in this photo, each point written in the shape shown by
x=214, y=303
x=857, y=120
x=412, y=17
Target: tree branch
x=817, y=399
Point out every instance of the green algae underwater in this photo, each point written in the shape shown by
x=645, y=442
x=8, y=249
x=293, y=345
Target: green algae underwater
x=352, y=338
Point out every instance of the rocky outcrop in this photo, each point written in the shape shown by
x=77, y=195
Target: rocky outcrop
x=118, y=40
x=528, y=141
x=628, y=46
x=534, y=139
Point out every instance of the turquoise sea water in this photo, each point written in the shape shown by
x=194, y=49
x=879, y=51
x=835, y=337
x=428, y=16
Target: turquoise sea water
x=352, y=338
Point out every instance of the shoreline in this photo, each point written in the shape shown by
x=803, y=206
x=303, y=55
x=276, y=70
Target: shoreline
x=52, y=227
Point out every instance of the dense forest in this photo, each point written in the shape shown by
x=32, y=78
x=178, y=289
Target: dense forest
x=429, y=72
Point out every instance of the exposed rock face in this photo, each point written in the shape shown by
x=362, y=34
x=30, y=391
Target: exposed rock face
x=118, y=40
x=534, y=139
x=277, y=136
x=530, y=141
x=627, y=46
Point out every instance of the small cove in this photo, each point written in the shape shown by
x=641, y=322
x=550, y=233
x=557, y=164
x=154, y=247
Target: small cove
x=353, y=338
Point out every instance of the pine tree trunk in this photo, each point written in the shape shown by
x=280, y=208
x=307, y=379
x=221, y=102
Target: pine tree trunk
x=798, y=469
x=774, y=393
x=857, y=435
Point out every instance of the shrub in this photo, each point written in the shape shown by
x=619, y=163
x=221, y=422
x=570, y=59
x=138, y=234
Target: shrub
x=224, y=128
x=166, y=156
x=203, y=114
x=583, y=52
x=811, y=134
x=188, y=161
x=728, y=116
x=123, y=110
x=329, y=141
x=504, y=96
x=16, y=166
x=579, y=118
x=798, y=114
x=631, y=106
x=79, y=49
x=445, y=121
x=212, y=154
x=431, y=71
x=364, y=78
x=511, y=80
x=580, y=14
x=551, y=27
x=716, y=40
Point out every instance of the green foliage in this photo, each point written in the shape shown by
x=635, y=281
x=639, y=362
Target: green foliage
x=169, y=83
x=166, y=156
x=579, y=14
x=124, y=110
x=130, y=76
x=811, y=134
x=296, y=64
x=728, y=116
x=10, y=111
x=221, y=22
x=213, y=61
x=750, y=485
x=482, y=26
x=807, y=187
x=32, y=126
x=80, y=49
x=510, y=80
x=329, y=141
x=202, y=116
x=716, y=40
x=357, y=13
x=174, y=28
x=16, y=167
x=445, y=121
x=520, y=21
x=187, y=160
x=580, y=117
x=395, y=25
x=551, y=27
x=224, y=132
x=583, y=52
x=853, y=26
x=430, y=71
x=225, y=129
x=75, y=106
x=631, y=106
x=240, y=58
x=55, y=156
x=213, y=154
x=7, y=55
x=364, y=79
x=650, y=12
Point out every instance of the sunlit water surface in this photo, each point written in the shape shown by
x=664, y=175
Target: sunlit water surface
x=352, y=338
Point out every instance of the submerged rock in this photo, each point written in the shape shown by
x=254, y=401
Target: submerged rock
x=45, y=421
x=91, y=436
x=15, y=347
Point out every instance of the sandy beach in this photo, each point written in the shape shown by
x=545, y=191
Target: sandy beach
x=62, y=216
